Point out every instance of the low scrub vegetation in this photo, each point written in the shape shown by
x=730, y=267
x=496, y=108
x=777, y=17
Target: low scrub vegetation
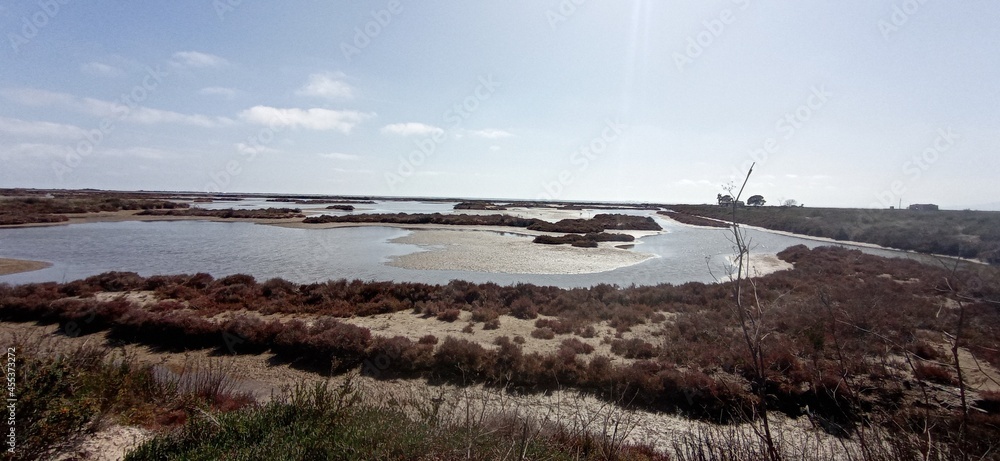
x=66, y=394
x=693, y=220
x=967, y=234
x=597, y=224
x=260, y=213
x=478, y=206
x=585, y=241
x=49, y=209
x=840, y=320
x=325, y=422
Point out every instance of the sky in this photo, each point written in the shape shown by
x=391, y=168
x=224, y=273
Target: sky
x=855, y=103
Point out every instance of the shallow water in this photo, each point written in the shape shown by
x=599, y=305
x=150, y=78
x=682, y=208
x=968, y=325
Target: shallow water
x=684, y=253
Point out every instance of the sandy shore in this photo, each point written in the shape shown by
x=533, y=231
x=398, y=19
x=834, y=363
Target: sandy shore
x=488, y=251
x=14, y=266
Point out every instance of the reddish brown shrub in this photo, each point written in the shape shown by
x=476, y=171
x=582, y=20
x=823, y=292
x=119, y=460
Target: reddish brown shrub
x=428, y=339
x=633, y=348
x=543, y=333
x=166, y=306
x=577, y=346
x=449, y=315
x=460, y=358
x=934, y=374
x=925, y=351
x=483, y=314
x=587, y=332
x=523, y=308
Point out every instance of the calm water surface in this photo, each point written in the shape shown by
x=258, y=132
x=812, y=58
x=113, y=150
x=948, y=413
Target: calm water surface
x=683, y=254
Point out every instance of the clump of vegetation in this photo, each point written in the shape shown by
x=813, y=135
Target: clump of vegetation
x=325, y=422
x=48, y=209
x=584, y=241
x=312, y=201
x=65, y=394
x=261, y=213
x=967, y=234
x=693, y=220
x=341, y=207
x=477, y=205
x=597, y=224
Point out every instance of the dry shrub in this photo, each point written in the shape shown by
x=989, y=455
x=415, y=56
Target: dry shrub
x=483, y=314
x=577, y=346
x=460, y=358
x=449, y=315
x=559, y=326
x=524, y=309
x=633, y=348
x=428, y=339
x=543, y=333
x=934, y=374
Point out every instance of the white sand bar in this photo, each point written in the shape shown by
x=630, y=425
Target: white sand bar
x=489, y=251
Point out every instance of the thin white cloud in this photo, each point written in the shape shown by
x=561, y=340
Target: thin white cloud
x=35, y=129
x=491, y=134
x=35, y=150
x=339, y=156
x=244, y=148
x=225, y=92
x=494, y=148
x=60, y=151
x=36, y=98
x=99, y=69
x=328, y=86
x=110, y=109
x=136, y=152
x=313, y=119
x=196, y=59
x=411, y=129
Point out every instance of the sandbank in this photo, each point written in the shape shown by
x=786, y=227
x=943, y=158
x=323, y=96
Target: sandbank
x=508, y=253
x=15, y=266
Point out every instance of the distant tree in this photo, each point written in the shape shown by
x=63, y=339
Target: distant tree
x=725, y=200
x=756, y=200
x=790, y=202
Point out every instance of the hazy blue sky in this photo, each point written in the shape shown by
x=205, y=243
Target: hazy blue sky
x=848, y=103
